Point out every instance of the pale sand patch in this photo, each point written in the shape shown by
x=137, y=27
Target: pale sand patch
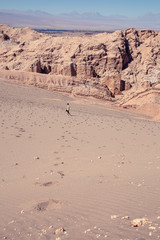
x=106, y=164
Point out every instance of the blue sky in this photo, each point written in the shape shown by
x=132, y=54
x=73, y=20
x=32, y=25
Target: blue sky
x=130, y=8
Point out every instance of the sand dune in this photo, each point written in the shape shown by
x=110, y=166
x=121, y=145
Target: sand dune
x=81, y=177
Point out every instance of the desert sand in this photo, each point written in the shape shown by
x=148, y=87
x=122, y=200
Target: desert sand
x=80, y=177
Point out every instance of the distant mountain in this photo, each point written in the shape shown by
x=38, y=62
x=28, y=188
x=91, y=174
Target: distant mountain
x=77, y=21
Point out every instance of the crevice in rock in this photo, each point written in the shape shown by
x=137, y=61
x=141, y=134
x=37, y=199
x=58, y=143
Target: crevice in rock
x=73, y=70
x=46, y=70
x=127, y=58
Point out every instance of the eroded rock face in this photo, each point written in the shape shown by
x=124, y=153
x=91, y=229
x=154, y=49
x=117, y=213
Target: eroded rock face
x=3, y=36
x=110, y=62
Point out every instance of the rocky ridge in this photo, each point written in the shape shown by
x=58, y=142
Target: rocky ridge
x=123, y=66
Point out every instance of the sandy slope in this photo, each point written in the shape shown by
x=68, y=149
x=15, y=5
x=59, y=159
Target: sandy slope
x=75, y=172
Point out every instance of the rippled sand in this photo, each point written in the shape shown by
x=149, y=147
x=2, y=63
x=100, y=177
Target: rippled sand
x=81, y=174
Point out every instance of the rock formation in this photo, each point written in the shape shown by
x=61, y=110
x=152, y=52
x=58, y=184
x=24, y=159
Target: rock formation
x=114, y=66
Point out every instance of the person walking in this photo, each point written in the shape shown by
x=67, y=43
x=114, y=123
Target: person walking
x=68, y=109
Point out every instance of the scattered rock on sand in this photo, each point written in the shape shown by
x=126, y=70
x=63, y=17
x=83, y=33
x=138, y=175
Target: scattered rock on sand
x=114, y=216
x=50, y=227
x=139, y=185
x=152, y=228
x=88, y=230
x=59, y=230
x=22, y=211
x=139, y=222
x=11, y=222
x=125, y=217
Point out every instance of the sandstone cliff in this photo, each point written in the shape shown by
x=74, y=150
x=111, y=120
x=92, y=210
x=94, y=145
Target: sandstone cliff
x=119, y=66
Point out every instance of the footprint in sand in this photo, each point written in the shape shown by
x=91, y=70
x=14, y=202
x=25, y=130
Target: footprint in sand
x=61, y=174
x=51, y=204
x=56, y=152
x=44, y=205
x=46, y=184
x=18, y=136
